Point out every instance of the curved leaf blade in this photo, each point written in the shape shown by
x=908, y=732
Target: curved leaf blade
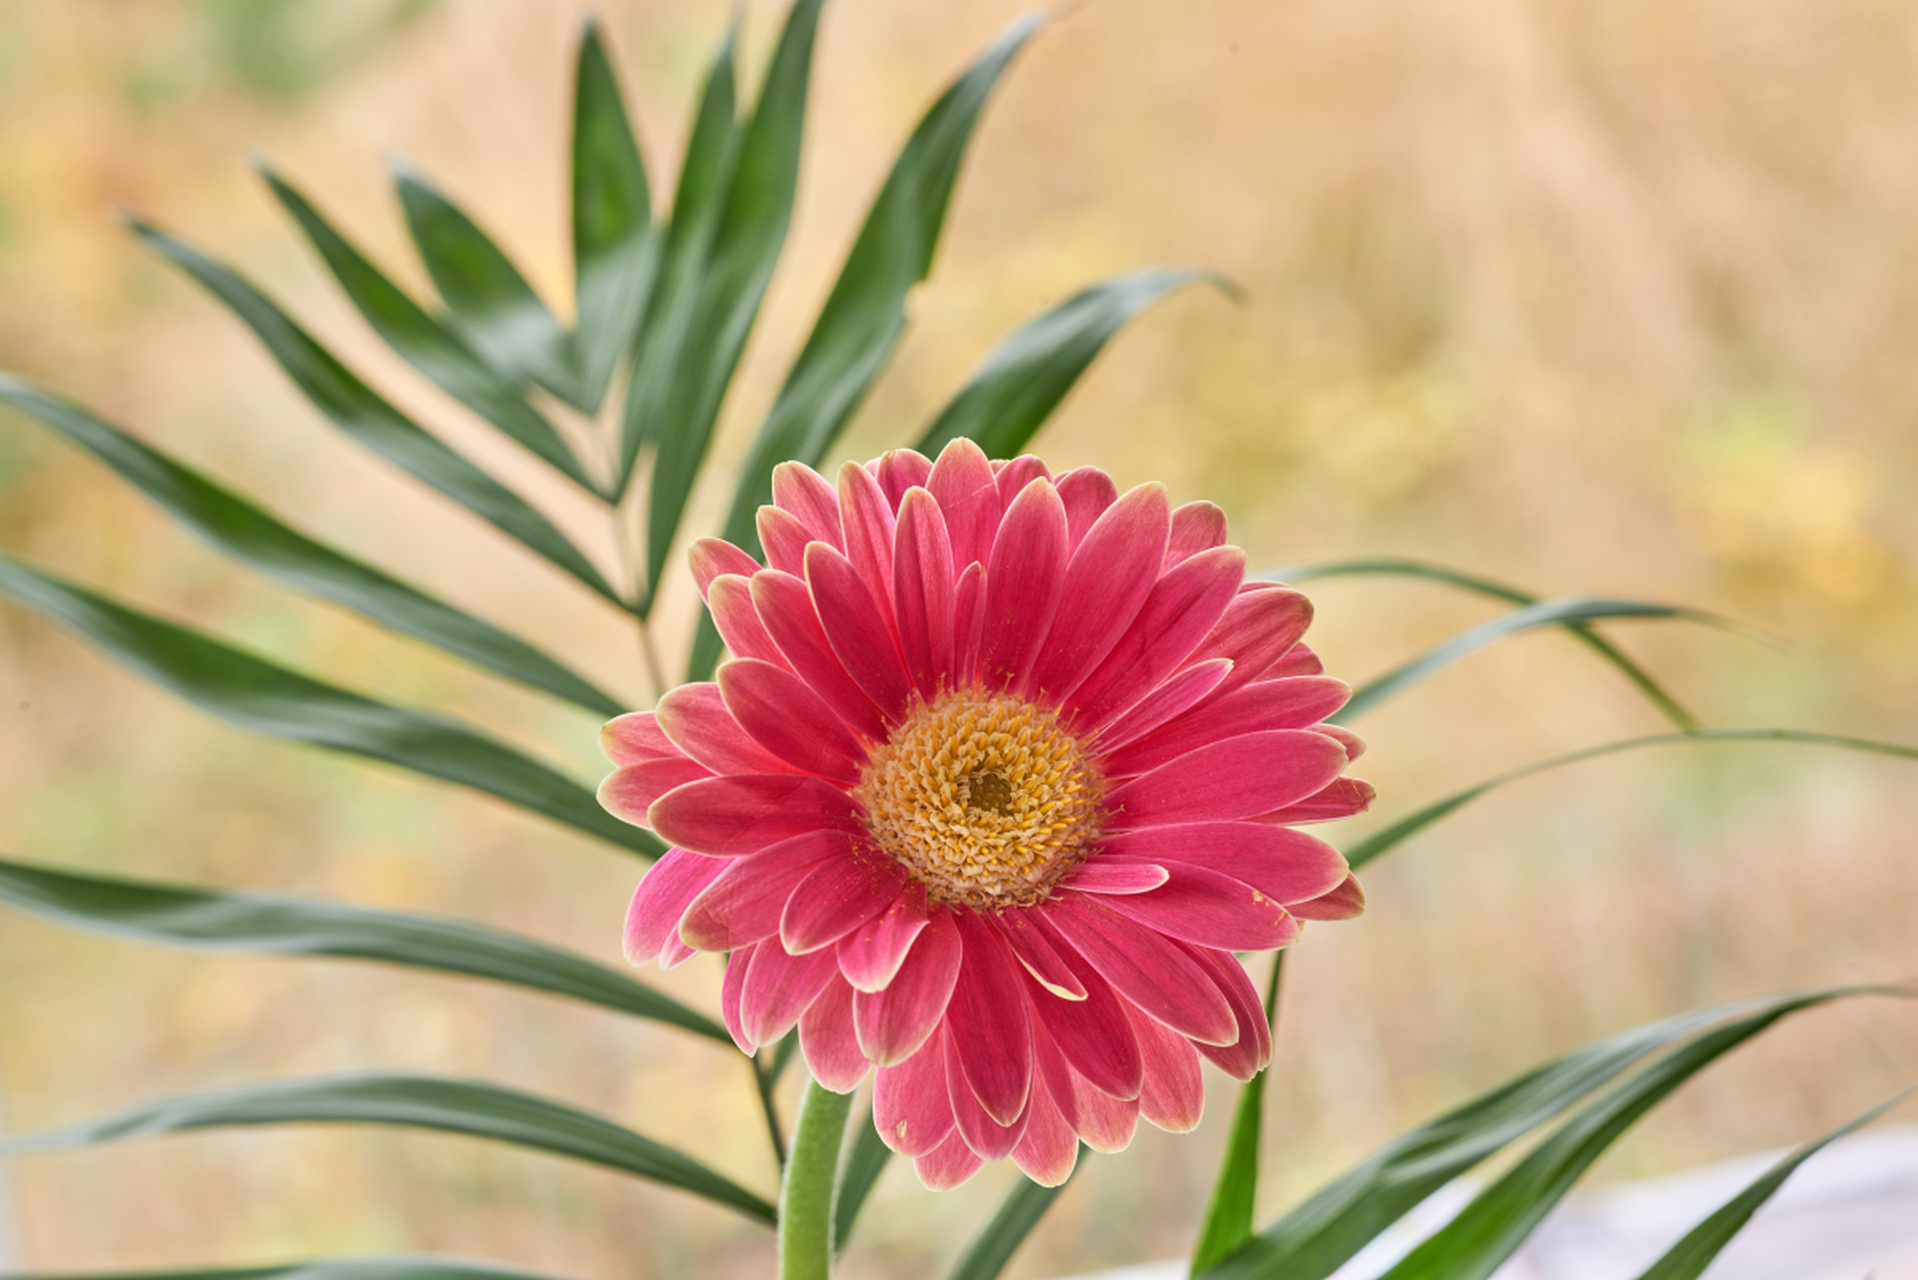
x=252, y=536
x=1025, y=377
x=422, y=341
x=615, y=249
x=400, y=1267
x=865, y=316
x=1228, y=1218
x=471, y=1108
x=278, y=925
x=864, y=1163
x=1018, y=1214
x=358, y=410
x=255, y=694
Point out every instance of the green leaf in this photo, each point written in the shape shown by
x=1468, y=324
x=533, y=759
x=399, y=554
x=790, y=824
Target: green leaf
x=249, y=534
x=423, y=341
x=614, y=248
x=744, y=249
x=865, y=315
x=469, y=1107
x=1018, y=1214
x=487, y=300
x=1688, y=1259
x=1228, y=1218
x=1546, y=613
x=1405, y=828
x=360, y=412
x=257, y=695
x=1028, y=374
x=402, y=1267
x=272, y=924
x=1319, y=1236
x=864, y=1163
x=1499, y=591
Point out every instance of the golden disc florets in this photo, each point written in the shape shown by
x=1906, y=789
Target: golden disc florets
x=985, y=798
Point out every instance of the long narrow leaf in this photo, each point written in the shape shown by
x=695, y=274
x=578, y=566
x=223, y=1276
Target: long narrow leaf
x=864, y=1163
x=1405, y=828
x=249, y=534
x=1688, y=1259
x=1027, y=375
x=360, y=412
x=487, y=299
x=745, y=248
x=401, y=1267
x=1315, y=1239
x=1018, y=1214
x=470, y=1107
x=423, y=341
x=1228, y=1217
x=865, y=315
x=1546, y=613
x=257, y=695
x=614, y=245
x=1650, y=687
x=276, y=925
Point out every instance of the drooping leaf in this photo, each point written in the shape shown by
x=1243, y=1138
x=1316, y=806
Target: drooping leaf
x=249, y=534
x=1688, y=1259
x=423, y=341
x=487, y=299
x=1405, y=828
x=1499, y=591
x=745, y=245
x=400, y=1267
x=865, y=315
x=277, y=925
x=257, y=695
x=1018, y=1214
x=1319, y=1236
x=615, y=249
x=864, y=1163
x=470, y=1107
x=360, y=412
x=1023, y=380
x=1546, y=613
x=1228, y=1218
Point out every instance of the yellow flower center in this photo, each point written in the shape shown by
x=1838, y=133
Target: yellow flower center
x=985, y=798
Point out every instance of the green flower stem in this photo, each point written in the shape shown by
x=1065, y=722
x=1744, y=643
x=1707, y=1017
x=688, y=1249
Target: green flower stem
x=812, y=1183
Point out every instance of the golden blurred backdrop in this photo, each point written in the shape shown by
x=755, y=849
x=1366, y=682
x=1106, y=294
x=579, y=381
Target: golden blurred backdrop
x=1613, y=298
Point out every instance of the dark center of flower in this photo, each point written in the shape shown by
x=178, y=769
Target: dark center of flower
x=988, y=792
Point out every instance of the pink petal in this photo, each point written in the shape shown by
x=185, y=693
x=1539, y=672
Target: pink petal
x=778, y=989
x=1183, y=607
x=1253, y=1053
x=1150, y=971
x=962, y=480
x=696, y=718
x=799, y=489
x=1269, y=704
x=893, y=1023
x=1251, y=774
x=1256, y=632
x=989, y=1030
x=1049, y=1148
x=784, y=536
x=870, y=955
x=1211, y=910
x=1173, y=1096
x=729, y=993
x=736, y=619
x=1106, y=582
x=628, y=792
x=1114, y=876
x=1092, y=1034
x=910, y=1108
x=826, y=1038
x=968, y=622
x=1179, y=694
x=1342, y=903
x=634, y=738
x=1298, y=661
x=948, y=1165
x=749, y=811
x=860, y=638
x=838, y=898
x=711, y=557
x=745, y=902
x=1102, y=1122
x=1016, y=474
x=1042, y=961
x=1022, y=585
x=1285, y=865
x=866, y=520
x=1341, y=798
x=782, y=714
x=675, y=953
x=900, y=470
x=922, y=588
x=785, y=606
x=1087, y=492
x=668, y=886
x=1196, y=527
x=1353, y=744
x=983, y=1131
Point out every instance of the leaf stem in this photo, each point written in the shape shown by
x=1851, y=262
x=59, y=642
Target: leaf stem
x=764, y=1078
x=811, y=1185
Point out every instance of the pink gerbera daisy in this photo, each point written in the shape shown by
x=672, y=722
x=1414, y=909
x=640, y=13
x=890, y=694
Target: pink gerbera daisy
x=1001, y=773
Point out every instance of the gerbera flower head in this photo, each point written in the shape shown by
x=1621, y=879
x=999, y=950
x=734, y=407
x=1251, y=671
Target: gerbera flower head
x=1003, y=770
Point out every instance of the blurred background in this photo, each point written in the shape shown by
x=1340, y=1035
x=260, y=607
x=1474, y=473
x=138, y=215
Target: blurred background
x=1591, y=298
